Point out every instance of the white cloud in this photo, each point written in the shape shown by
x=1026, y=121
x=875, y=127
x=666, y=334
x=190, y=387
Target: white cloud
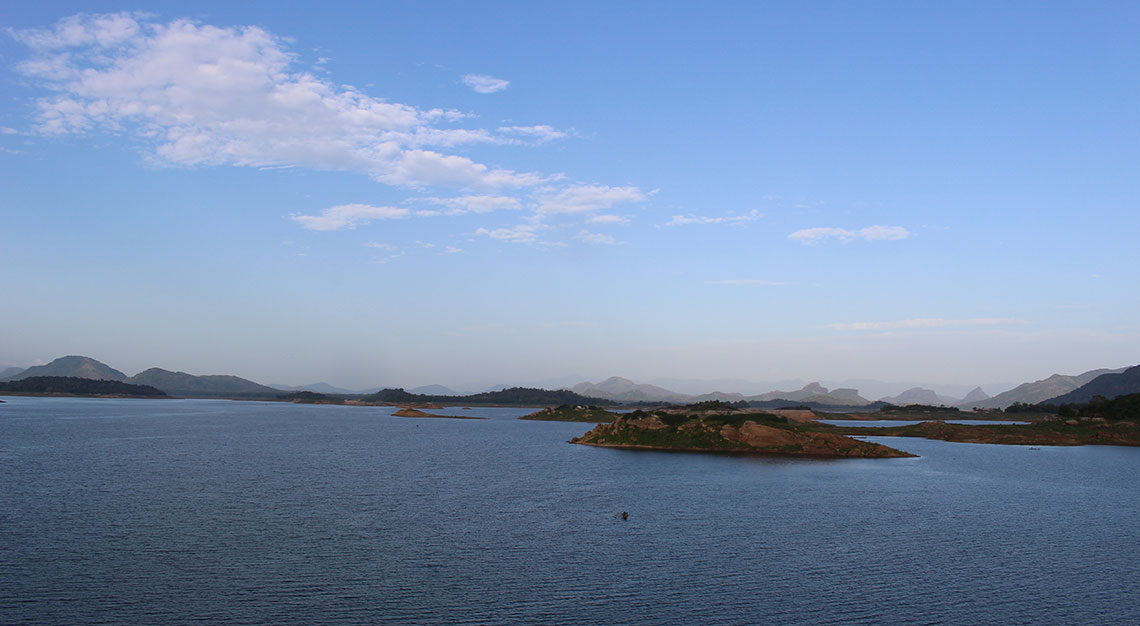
x=755, y=282
x=926, y=322
x=683, y=220
x=4, y=130
x=870, y=233
x=483, y=83
x=541, y=133
x=523, y=233
x=348, y=216
x=587, y=198
x=596, y=238
x=608, y=219
x=477, y=204
x=205, y=95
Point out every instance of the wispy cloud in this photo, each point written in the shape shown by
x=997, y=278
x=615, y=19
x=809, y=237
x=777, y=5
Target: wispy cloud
x=587, y=198
x=870, y=233
x=927, y=322
x=483, y=83
x=684, y=220
x=541, y=133
x=607, y=219
x=523, y=233
x=752, y=282
x=596, y=238
x=476, y=204
x=348, y=216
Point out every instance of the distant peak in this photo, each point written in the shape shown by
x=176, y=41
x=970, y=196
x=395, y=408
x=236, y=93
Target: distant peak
x=814, y=388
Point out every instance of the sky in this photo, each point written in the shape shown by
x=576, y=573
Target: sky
x=473, y=194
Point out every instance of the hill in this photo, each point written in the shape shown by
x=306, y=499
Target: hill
x=75, y=386
x=434, y=390
x=1107, y=385
x=515, y=396
x=73, y=367
x=1041, y=390
x=974, y=398
x=915, y=395
x=10, y=372
x=190, y=386
x=621, y=389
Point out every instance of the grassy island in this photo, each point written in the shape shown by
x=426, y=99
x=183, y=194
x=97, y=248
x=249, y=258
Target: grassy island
x=572, y=413
x=729, y=430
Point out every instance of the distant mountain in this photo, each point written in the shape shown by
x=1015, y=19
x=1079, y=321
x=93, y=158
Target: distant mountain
x=915, y=395
x=621, y=389
x=1041, y=390
x=515, y=396
x=1107, y=385
x=974, y=397
x=434, y=390
x=10, y=372
x=190, y=386
x=815, y=394
x=73, y=367
x=320, y=388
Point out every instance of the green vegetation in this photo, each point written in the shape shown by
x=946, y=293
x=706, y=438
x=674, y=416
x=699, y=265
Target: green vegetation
x=1119, y=408
x=572, y=413
x=71, y=386
x=1053, y=432
x=310, y=397
x=918, y=409
x=515, y=396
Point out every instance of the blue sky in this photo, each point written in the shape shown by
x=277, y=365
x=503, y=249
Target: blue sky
x=471, y=194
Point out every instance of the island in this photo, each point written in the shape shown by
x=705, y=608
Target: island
x=410, y=412
x=572, y=413
x=711, y=428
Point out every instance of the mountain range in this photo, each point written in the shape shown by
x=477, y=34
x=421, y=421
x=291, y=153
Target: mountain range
x=178, y=384
x=1057, y=388
x=1109, y=385
x=1041, y=390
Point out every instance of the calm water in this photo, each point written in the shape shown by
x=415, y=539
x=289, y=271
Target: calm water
x=168, y=512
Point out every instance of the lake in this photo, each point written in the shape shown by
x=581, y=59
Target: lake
x=207, y=511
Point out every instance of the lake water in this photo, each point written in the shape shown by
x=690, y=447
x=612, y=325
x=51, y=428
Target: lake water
x=198, y=511
x=890, y=423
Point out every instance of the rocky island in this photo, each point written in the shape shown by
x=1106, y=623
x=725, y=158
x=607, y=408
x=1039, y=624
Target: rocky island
x=411, y=412
x=727, y=430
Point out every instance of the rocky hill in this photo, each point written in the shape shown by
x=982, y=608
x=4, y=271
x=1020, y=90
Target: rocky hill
x=1108, y=385
x=621, y=389
x=1041, y=390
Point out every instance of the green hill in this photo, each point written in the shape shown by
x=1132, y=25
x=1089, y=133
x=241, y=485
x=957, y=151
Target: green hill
x=190, y=386
x=73, y=367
